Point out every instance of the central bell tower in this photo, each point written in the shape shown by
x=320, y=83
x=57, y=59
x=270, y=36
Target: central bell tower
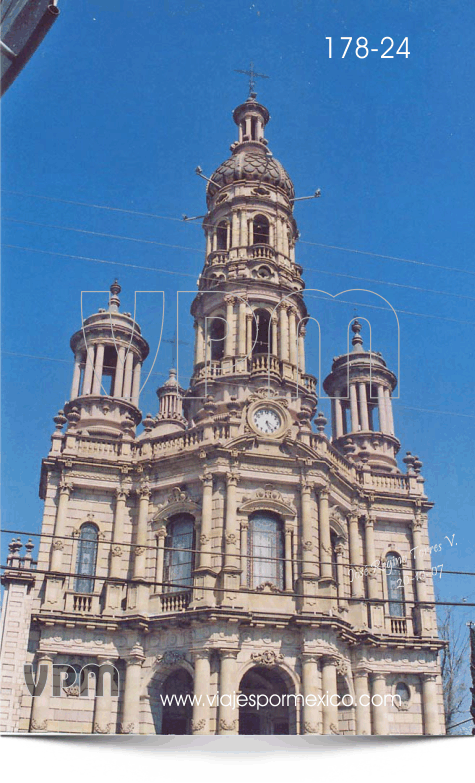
x=249, y=313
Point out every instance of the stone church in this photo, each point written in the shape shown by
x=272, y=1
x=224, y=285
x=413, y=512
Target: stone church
x=234, y=566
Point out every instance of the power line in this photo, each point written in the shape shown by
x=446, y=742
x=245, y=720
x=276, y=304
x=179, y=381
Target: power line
x=302, y=241
x=217, y=381
x=245, y=588
x=192, y=550
x=204, y=277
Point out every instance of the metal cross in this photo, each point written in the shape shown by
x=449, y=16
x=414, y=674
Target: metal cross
x=252, y=77
x=174, y=342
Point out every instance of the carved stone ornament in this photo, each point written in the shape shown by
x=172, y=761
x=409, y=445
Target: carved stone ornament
x=170, y=657
x=126, y=728
x=71, y=690
x=268, y=587
x=334, y=729
x=116, y=551
x=102, y=729
x=310, y=728
x=269, y=498
x=231, y=539
x=227, y=725
x=177, y=495
x=203, y=539
x=198, y=725
x=342, y=667
x=267, y=657
x=139, y=550
x=307, y=546
x=37, y=725
x=58, y=544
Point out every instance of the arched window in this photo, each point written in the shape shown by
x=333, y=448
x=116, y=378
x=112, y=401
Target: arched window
x=261, y=337
x=86, y=559
x=394, y=576
x=223, y=235
x=216, y=337
x=265, y=550
x=179, y=557
x=260, y=230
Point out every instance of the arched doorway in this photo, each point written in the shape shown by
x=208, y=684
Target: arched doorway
x=176, y=714
x=276, y=714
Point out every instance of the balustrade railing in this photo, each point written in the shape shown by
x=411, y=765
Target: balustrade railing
x=175, y=602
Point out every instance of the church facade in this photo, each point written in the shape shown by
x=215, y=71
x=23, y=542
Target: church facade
x=229, y=568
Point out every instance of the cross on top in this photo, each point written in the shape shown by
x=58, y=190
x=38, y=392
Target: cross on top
x=252, y=77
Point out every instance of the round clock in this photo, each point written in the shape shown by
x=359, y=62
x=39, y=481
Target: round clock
x=267, y=420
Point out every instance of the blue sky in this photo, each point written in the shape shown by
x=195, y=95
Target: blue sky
x=120, y=104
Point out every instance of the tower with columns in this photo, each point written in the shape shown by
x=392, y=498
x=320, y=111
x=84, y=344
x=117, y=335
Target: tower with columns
x=227, y=549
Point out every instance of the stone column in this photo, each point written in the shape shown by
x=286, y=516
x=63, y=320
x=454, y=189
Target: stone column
x=141, y=540
x=228, y=714
x=242, y=328
x=429, y=704
x=329, y=690
x=118, y=534
x=200, y=343
x=136, y=384
x=301, y=353
x=99, y=363
x=86, y=385
x=284, y=332
x=311, y=710
x=119, y=372
x=274, y=336
x=200, y=720
x=76, y=376
x=389, y=411
x=363, y=407
x=288, y=583
x=382, y=409
x=206, y=520
x=235, y=229
x=379, y=709
x=357, y=585
x=130, y=723
x=40, y=703
x=249, y=341
x=370, y=557
x=354, y=408
x=161, y=536
x=338, y=417
x=65, y=489
x=309, y=565
x=229, y=338
x=243, y=232
x=419, y=575
x=244, y=540
x=324, y=534
x=129, y=367
x=363, y=712
x=103, y=700
x=231, y=531
x=292, y=337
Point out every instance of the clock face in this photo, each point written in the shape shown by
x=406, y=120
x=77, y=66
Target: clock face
x=267, y=420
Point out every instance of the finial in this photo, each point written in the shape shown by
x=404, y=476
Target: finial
x=321, y=422
x=114, y=300
x=357, y=340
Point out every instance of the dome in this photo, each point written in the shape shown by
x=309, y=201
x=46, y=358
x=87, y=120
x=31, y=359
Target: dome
x=253, y=165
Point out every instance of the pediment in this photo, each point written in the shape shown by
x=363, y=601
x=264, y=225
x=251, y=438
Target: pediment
x=178, y=502
x=268, y=499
